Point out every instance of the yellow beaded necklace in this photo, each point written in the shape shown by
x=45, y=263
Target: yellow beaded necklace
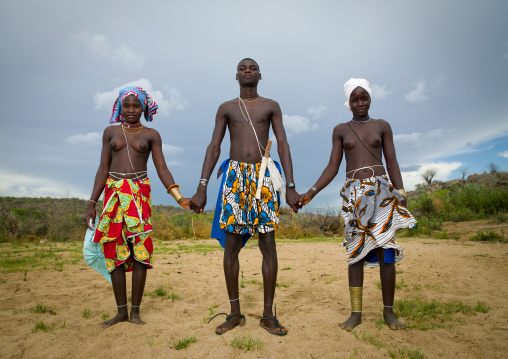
x=250, y=100
x=132, y=133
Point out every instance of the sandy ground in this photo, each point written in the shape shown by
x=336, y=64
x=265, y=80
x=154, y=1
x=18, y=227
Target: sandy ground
x=315, y=301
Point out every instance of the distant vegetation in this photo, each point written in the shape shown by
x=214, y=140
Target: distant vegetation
x=459, y=201
x=27, y=219
x=479, y=197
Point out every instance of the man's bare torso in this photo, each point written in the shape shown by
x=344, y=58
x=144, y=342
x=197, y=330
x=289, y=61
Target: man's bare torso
x=244, y=147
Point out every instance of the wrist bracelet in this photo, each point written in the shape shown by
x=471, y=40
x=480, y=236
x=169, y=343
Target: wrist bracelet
x=175, y=192
x=203, y=182
x=402, y=192
x=172, y=186
x=290, y=185
x=91, y=200
x=314, y=189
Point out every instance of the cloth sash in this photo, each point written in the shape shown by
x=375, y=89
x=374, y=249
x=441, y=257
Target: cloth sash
x=372, y=211
x=217, y=232
x=127, y=203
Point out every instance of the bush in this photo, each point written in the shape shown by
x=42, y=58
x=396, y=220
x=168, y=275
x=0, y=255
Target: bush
x=467, y=203
x=425, y=227
x=488, y=236
x=423, y=205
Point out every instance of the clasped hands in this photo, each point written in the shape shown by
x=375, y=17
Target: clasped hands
x=198, y=201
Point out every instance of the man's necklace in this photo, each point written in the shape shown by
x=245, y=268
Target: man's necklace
x=250, y=100
x=370, y=118
x=241, y=103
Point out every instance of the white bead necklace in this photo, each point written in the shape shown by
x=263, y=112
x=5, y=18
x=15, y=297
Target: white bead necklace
x=370, y=118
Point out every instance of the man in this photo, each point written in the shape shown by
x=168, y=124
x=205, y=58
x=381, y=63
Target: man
x=248, y=119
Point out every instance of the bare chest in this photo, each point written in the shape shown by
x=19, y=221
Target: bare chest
x=371, y=139
x=138, y=141
x=239, y=117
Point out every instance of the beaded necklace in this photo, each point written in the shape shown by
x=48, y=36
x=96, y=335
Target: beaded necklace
x=370, y=118
x=131, y=133
x=250, y=100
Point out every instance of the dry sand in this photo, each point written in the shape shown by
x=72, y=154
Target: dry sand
x=316, y=300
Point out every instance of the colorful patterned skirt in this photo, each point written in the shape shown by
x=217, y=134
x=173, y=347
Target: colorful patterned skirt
x=241, y=212
x=126, y=218
x=372, y=212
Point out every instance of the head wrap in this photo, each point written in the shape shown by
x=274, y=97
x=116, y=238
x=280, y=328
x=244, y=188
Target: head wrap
x=353, y=83
x=141, y=94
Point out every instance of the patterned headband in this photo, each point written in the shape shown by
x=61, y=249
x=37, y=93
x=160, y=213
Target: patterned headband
x=146, y=100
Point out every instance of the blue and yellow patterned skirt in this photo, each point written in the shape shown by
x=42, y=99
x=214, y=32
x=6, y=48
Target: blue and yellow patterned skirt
x=241, y=212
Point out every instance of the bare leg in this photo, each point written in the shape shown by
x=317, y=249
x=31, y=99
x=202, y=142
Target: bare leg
x=119, y=289
x=138, y=287
x=269, y=269
x=388, y=276
x=231, y=271
x=355, y=274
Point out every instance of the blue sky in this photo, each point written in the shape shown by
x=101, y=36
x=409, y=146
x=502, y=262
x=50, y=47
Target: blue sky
x=439, y=71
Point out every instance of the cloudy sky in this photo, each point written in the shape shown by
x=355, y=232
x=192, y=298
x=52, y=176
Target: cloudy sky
x=439, y=71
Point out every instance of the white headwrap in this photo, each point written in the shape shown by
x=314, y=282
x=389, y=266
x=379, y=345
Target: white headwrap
x=353, y=83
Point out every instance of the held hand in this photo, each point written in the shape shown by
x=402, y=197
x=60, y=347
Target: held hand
x=185, y=203
x=198, y=202
x=90, y=215
x=292, y=198
x=304, y=199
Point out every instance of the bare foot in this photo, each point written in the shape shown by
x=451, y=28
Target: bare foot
x=390, y=319
x=135, y=318
x=230, y=323
x=354, y=320
x=120, y=317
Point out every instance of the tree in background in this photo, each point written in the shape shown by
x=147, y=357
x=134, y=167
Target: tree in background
x=493, y=168
x=428, y=175
x=464, y=171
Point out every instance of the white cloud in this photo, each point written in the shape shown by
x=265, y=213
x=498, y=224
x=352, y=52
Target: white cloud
x=422, y=147
x=503, y=154
x=297, y=124
x=419, y=94
x=99, y=47
x=444, y=170
x=422, y=89
x=418, y=151
x=316, y=112
x=170, y=149
x=89, y=139
x=380, y=92
x=18, y=185
x=175, y=102
x=167, y=105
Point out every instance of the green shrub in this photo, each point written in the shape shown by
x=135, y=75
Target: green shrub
x=487, y=236
x=425, y=227
x=457, y=204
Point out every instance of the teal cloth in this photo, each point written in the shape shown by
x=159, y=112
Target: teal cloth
x=93, y=254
